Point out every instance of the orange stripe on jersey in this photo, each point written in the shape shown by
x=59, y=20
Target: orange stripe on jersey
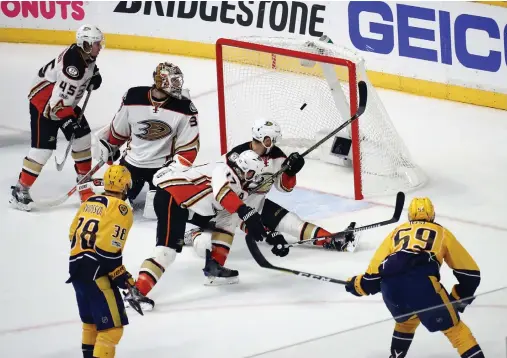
x=189, y=155
x=287, y=182
x=41, y=98
x=184, y=193
x=231, y=202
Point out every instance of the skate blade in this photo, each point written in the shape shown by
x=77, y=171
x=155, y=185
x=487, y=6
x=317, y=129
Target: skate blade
x=352, y=246
x=220, y=281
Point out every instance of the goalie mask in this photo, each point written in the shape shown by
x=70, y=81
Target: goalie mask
x=268, y=133
x=168, y=79
x=248, y=166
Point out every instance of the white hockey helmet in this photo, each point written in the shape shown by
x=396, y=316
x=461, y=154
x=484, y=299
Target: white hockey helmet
x=249, y=164
x=169, y=79
x=263, y=129
x=87, y=35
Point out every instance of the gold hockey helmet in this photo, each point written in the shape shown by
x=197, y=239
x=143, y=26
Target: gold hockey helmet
x=117, y=179
x=421, y=209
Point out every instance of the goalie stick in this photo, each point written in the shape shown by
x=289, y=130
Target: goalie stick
x=63, y=198
x=59, y=166
x=363, y=97
x=261, y=260
x=398, y=208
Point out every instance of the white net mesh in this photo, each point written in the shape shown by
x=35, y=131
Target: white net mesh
x=309, y=101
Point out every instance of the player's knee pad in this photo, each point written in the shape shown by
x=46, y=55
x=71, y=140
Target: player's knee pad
x=461, y=337
x=107, y=340
x=291, y=224
x=409, y=326
x=39, y=156
x=82, y=143
x=164, y=256
x=89, y=334
x=149, y=209
x=201, y=243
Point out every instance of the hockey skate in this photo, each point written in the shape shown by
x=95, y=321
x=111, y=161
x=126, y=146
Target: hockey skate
x=21, y=198
x=348, y=243
x=216, y=274
x=146, y=304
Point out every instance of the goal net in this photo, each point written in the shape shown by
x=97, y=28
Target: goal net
x=309, y=87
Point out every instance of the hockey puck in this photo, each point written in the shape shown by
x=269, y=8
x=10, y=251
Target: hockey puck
x=303, y=106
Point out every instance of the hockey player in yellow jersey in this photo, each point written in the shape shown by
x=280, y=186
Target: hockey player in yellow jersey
x=98, y=235
x=406, y=270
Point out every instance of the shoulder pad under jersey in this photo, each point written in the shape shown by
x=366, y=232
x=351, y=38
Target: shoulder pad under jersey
x=74, y=65
x=137, y=96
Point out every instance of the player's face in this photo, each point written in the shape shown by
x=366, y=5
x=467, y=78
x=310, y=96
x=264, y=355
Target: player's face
x=96, y=47
x=258, y=148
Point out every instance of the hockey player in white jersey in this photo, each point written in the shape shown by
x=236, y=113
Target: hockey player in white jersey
x=157, y=122
x=206, y=190
x=265, y=135
x=56, y=91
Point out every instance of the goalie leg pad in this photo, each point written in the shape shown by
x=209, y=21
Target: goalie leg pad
x=107, y=341
x=154, y=267
x=149, y=209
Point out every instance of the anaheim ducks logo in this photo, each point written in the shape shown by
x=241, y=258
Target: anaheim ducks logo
x=153, y=130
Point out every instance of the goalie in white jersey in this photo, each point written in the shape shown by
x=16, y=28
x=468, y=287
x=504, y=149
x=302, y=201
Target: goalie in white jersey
x=206, y=190
x=157, y=122
x=265, y=136
x=56, y=91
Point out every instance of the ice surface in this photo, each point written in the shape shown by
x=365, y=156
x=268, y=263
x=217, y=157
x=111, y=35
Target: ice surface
x=461, y=147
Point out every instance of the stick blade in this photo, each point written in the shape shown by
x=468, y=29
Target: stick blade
x=363, y=97
x=400, y=202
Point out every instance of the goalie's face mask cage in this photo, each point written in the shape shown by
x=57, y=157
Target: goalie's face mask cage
x=268, y=133
x=169, y=79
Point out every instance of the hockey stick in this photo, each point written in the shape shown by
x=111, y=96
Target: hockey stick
x=363, y=97
x=59, y=166
x=398, y=208
x=63, y=198
x=261, y=260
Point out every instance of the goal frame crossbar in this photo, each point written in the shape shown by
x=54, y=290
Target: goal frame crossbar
x=273, y=50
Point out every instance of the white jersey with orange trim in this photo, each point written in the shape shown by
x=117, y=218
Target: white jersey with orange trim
x=155, y=130
x=61, y=83
x=204, y=189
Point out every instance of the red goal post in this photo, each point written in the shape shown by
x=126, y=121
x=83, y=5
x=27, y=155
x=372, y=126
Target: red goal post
x=251, y=71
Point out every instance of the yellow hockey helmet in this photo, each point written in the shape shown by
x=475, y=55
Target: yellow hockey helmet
x=421, y=209
x=117, y=179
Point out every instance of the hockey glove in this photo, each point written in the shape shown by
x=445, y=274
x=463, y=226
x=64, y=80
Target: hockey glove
x=95, y=82
x=121, y=277
x=253, y=222
x=278, y=241
x=459, y=303
x=294, y=164
x=354, y=286
x=70, y=126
